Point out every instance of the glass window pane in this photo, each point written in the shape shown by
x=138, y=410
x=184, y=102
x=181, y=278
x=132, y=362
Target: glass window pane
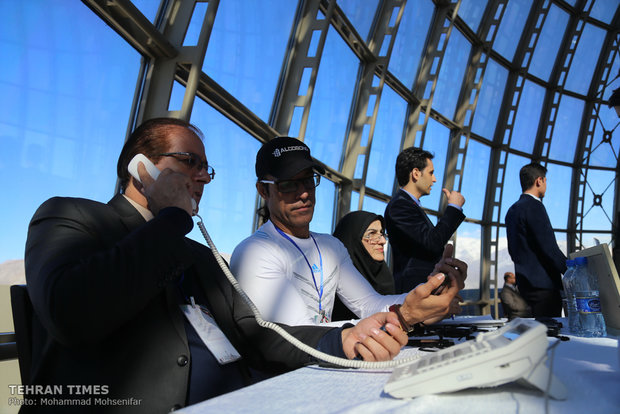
x=600, y=184
x=374, y=206
x=582, y=67
x=63, y=119
x=432, y=217
x=528, y=116
x=355, y=198
x=475, y=176
x=386, y=141
x=512, y=187
x=605, y=154
x=361, y=14
x=331, y=102
x=451, y=73
x=228, y=215
x=504, y=262
x=566, y=129
x=592, y=239
x=147, y=7
x=604, y=10
x=471, y=11
x=549, y=43
x=511, y=27
x=436, y=142
x=560, y=238
x=410, y=40
x=192, y=33
x=490, y=100
x=324, y=207
x=247, y=47
x=557, y=199
x=468, y=238
x=613, y=77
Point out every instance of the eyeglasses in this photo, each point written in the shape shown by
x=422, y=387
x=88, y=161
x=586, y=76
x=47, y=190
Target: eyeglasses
x=289, y=186
x=374, y=236
x=192, y=160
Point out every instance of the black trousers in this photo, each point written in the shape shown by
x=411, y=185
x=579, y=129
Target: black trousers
x=544, y=302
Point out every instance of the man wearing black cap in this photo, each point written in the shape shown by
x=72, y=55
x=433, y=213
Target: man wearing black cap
x=128, y=310
x=293, y=274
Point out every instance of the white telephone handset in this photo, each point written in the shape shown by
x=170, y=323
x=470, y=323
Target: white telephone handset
x=151, y=169
x=148, y=164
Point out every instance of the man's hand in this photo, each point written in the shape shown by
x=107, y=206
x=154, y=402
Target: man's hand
x=454, y=197
x=171, y=189
x=367, y=340
x=421, y=305
x=454, y=268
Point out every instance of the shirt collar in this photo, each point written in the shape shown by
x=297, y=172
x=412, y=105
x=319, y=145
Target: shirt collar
x=412, y=197
x=533, y=196
x=144, y=212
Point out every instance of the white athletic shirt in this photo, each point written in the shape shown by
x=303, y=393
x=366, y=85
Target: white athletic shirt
x=275, y=275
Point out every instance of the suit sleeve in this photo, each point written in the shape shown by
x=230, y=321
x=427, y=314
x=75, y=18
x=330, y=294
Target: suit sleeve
x=86, y=279
x=271, y=352
x=409, y=228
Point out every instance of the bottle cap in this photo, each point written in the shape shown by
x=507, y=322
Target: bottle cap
x=581, y=261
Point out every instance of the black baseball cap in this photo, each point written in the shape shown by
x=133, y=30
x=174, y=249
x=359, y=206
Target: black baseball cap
x=283, y=158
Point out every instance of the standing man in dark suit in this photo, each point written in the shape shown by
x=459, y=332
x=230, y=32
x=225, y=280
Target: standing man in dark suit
x=539, y=262
x=416, y=243
x=132, y=316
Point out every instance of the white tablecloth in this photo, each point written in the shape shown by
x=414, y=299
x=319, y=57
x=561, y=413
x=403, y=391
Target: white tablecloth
x=588, y=367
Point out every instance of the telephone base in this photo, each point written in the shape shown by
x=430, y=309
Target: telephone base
x=538, y=378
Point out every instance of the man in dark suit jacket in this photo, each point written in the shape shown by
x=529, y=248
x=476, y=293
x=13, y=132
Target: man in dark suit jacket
x=513, y=304
x=110, y=283
x=539, y=262
x=416, y=243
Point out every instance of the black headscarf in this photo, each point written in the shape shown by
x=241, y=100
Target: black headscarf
x=349, y=231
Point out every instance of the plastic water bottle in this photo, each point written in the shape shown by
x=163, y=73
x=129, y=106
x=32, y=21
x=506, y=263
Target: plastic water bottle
x=590, y=317
x=568, y=282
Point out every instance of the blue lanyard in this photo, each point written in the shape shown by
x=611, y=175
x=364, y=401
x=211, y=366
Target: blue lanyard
x=319, y=291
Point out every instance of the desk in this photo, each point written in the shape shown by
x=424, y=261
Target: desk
x=588, y=367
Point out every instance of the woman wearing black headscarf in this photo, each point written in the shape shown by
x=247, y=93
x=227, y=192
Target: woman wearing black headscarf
x=363, y=234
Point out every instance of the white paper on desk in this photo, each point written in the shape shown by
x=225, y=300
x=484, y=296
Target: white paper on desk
x=211, y=334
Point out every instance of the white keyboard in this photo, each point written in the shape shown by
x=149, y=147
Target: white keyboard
x=515, y=352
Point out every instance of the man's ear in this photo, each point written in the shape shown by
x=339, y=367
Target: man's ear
x=415, y=175
x=132, y=181
x=263, y=190
x=539, y=181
